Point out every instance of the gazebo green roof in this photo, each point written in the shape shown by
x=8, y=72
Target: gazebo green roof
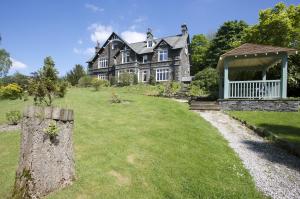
x=254, y=56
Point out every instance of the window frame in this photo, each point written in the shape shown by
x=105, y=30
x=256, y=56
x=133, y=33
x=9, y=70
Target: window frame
x=148, y=44
x=102, y=76
x=162, y=74
x=124, y=60
x=144, y=74
x=164, y=53
x=145, y=60
x=102, y=62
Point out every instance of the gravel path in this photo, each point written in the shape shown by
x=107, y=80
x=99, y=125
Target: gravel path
x=276, y=173
x=7, y=127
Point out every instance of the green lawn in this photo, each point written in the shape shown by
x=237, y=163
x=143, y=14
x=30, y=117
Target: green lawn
x=148, y=147
x=286, y=125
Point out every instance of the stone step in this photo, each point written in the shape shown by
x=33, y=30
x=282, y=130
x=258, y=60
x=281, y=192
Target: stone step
x=204, y=105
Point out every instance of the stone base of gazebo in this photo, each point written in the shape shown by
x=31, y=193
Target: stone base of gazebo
x=280, y=105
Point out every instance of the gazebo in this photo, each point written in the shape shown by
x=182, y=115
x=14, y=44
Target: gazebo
x=249, y=57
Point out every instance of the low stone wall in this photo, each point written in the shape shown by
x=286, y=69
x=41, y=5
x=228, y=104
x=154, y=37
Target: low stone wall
x=288, y=105
x=46, y=159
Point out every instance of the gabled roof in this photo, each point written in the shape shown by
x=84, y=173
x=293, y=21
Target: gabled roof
x=175, y=42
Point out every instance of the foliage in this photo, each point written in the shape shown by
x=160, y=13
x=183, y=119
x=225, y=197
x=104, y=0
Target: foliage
x=279, y=26
x=199, y=46
x=228, y=36
x=75, y=74
x=62, y=89
x=171, y=88
x=125, y=79
x=13, y=117
x=152, y=80
x=115, y=99
x=96, y=83
x=85, y=81
x=11, y=91
x=5, y=62
x=112, y=80
x=52, y=130
x=207, y=80
x=135, y=79
x=18, y=78
x=44, y=85
x=195, y=91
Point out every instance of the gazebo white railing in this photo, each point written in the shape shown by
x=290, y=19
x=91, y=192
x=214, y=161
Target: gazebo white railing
x=262, y=89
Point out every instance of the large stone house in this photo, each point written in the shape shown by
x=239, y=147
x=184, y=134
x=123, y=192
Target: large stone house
x=165, y=59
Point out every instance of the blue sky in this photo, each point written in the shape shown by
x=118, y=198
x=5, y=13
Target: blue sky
x=67, y=29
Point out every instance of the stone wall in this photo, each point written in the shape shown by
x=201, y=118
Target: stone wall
x=288, y=105
x=46, y=160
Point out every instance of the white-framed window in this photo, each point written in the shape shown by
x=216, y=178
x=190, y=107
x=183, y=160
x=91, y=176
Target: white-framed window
x=125, y=57
x=102, y=62
x=102, y=76
x=162, y=74
x=162, y=55
x=113, y=45
x=144, y=76
x=149, y=44
x=145, y=58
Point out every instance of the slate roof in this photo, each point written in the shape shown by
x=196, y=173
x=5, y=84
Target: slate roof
x=177, y=41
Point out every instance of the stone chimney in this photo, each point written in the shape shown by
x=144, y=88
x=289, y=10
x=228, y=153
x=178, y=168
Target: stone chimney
x=97, y=47
x=184, y=29
x=149, y=34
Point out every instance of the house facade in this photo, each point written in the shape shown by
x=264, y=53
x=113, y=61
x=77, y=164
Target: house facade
x=165, y=59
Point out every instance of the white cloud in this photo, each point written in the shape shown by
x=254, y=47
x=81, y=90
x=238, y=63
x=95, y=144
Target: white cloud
x=17, y=64
x=140, y=19
x=80, y=41
x=93, y=7
x=100, y=32
x=87, y=51
x=133, y=36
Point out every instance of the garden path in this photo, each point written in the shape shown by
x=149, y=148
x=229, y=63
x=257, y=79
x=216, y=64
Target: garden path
x=276, y=173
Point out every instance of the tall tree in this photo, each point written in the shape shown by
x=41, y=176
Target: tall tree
x=75, y=74
x=199, y=46
x=228, y=36
x=5, y=62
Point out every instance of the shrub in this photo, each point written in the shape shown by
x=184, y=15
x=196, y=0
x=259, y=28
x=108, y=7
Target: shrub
x=75, y=74
x=115, y=99
x=195, y=91
x=11, y=91
x=112, y=80
x=52, y=130
x=85, y=81
x=135, y=79
x=152, y=80
x=125, y=79
x=207, y=80
x=62, y=89
x=96, y=84
x=13, y=117
x=171, y=88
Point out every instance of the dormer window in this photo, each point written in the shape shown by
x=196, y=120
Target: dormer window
x=149, y=44
x=145, y=58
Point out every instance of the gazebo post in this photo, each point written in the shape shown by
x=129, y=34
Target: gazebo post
x=283, y=80
x=264, y=74
x=226, y=80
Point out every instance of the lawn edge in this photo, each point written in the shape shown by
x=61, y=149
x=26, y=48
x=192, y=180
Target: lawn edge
x=270, y=136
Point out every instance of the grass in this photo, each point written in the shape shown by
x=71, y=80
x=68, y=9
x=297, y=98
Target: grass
x=286, y=125
x=148, y=147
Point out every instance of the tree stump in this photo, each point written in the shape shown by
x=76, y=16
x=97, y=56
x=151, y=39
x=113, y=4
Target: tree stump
x=46, y=160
